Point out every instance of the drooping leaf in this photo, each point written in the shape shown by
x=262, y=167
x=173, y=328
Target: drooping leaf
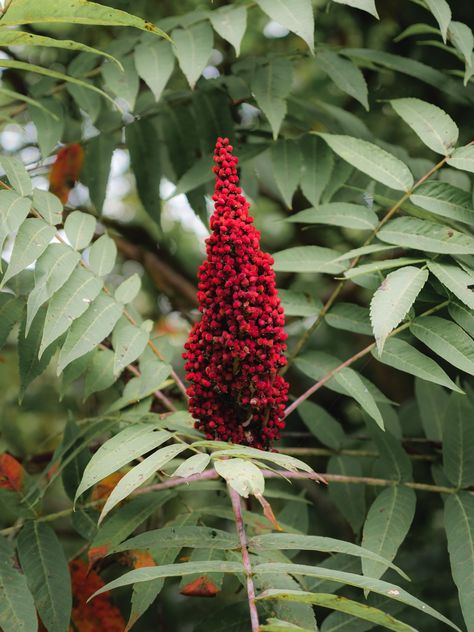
x=458, y=441
x=387, y=524
x=13, y=211
x=363, y=5
x=17, y=608
x=462, y=316
x=124, y=447
x=97, y=161
x=49, y=129
x=193, y=47
x=31, y=241
x=393, y=299
x=432, y=401
x=11, y=309
x=442, y=13
x=99, y=372
x=411, y=232
x=139, y=474
x=446, y=339
x=298, y=303
x=348, y=497
x=52, y=271
x=400, y=355
x=308, y=259
x=48, y=206
x=345, y=74
x=338, y=214
x=79, y=228
x=286, y=163
x=75, y=11
x=230, y=22
x=102, y=255
x=430, y=123
x=444, y=199
x=317, y=166
x=128, y=341
x=393, y=462
x=295, y=15
x=243, y=476
x=271, y=84
x=462, y=38
x=68, y=303
x=44, y=564
x=321, y=424
x=371, y=160
x=122, y=82
x=154, y=61
x=338, y=603
x=459, y=523
x=144, y=147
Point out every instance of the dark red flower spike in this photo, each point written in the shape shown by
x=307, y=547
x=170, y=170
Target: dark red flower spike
x=234, y=353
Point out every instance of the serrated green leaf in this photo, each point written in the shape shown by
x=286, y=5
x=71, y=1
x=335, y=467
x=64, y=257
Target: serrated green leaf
x=446, y=339
x=462, y=38
x=430, y=123
x=458, y=441
x=386, y=526
x=371, y=160
x=295, y=15
x=122, y=448
x=52, y=271
x=68, y=303
x=286, y=163
x=308, y=259
x=366, y=583
x=154, y=61
x=318, y=163
x=13, y=211
x=444, y=199
x=321, y=424
x=145, y=156
x=102, y=255
x=363, y=5
x=462, y=158
x=349, y=317
x=378, y=266
x=459, y=522
x=31, y=241
x=463, y=316
x=14, y=589
x=402, y=356
x=346, y=381
x=432, y=401
x=442, y=13
x=393, y=300
x=44, y=564
x=338, y=214
x=456, y=280
x=193, y=47
x=128, y=289
x=297, y=542
x=48, y=206
x=271, y=84
x=345, y=74
x=340, y=604
x=79, y=228
x=139, y=474
x=411, y=232
x=17, y=175
x=230, y=22
x=129, y=341
x=90, y=329
x=194, y=465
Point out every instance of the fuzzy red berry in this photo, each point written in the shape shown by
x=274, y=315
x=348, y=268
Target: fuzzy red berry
x=234, y=353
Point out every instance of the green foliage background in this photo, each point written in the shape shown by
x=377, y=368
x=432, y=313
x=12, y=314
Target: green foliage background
x=147, y=112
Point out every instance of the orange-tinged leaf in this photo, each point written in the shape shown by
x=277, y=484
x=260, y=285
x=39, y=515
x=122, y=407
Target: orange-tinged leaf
x=11, y=473
x=104, y=488
x=66, y=170
x=200, y=587
x=96, y=553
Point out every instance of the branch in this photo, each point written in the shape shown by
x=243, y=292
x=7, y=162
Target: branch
x=360, y=354
x=239, y=523
x=335, y=293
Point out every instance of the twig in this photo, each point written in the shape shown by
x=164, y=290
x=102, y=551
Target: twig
x=335, y=293
x=360, y=354
x=239, y=523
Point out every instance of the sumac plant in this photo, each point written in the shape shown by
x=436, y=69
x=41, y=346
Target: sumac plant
x=236, y=316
